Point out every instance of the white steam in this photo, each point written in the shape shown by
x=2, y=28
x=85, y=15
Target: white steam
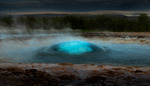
x=22, y=47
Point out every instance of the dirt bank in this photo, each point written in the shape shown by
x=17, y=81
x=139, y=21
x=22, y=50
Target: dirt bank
x=67, y=74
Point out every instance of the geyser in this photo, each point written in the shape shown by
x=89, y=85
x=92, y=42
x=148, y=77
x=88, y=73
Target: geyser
x=74, y=47
x=71, y=48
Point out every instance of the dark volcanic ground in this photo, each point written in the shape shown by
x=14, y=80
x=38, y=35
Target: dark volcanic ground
x=67, y=74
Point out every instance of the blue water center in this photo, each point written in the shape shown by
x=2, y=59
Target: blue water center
x=75, y=47
x=69, y=48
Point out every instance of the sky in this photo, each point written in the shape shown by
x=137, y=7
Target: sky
x=37, y=6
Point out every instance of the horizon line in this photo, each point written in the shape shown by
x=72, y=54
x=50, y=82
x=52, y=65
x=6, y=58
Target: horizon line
x=99, y=12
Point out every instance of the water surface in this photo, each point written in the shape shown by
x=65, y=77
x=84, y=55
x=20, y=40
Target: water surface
x=114, y=54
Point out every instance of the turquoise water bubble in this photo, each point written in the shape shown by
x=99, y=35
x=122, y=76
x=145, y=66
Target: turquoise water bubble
x=70, y=48
x=75, y=47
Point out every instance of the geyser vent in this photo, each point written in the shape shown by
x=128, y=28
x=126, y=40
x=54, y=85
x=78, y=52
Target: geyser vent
x=71, y=48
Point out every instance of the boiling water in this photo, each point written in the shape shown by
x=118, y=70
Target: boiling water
x=78, y=50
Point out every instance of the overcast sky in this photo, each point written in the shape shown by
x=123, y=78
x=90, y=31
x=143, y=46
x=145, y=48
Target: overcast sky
x=72, y=5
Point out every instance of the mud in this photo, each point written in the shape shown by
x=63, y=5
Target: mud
x=67, y=74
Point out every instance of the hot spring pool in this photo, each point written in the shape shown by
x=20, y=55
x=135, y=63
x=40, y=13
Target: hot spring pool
x=83, y=51
x=105, y=54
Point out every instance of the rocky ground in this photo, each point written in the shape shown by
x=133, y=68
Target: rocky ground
x=121, y=37
x=67, y=74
